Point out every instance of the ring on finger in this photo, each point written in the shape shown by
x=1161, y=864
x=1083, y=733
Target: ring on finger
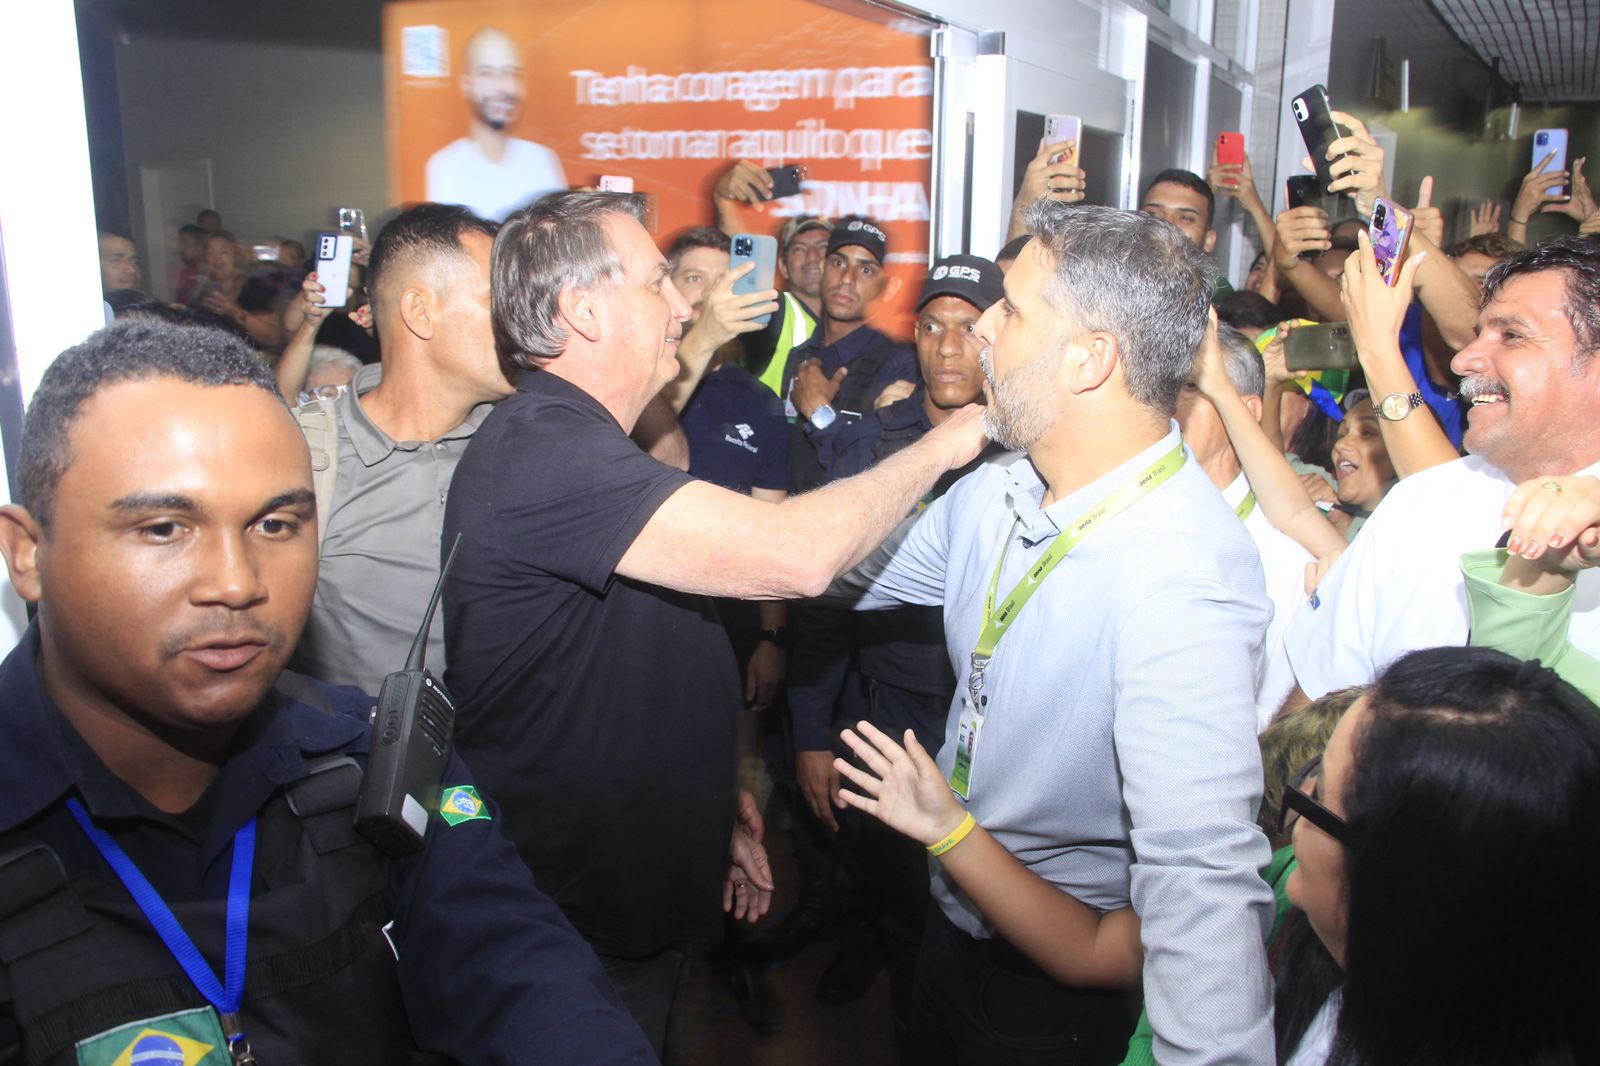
x=1552, y=486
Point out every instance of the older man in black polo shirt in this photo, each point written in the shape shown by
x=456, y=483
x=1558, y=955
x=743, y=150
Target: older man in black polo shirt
x=598, y=692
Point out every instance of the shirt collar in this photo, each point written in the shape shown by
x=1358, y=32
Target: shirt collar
x=544, y=383
x=372, y=444
x=857, y=342
x=46, y=759
x=1236, y=491
x=1025, y=490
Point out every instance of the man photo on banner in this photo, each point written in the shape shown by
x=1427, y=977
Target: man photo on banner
x=488, y=170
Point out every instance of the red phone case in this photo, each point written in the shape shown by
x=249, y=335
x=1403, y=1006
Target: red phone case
x=1230, y=148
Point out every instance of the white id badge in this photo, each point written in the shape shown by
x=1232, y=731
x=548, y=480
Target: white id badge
x=968, y=729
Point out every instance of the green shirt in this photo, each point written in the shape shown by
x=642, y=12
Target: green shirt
x=1522, y=624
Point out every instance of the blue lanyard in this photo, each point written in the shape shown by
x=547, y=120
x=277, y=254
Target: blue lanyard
x=227, y=996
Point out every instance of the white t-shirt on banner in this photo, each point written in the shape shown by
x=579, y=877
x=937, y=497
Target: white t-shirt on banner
x=459, y=173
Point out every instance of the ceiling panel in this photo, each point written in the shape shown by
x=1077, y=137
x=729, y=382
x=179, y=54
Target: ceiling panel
x=1549, y=49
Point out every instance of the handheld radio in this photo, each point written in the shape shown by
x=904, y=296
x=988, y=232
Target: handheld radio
x=410, y=743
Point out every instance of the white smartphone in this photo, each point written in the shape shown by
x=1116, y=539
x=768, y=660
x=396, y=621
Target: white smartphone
x=1545, y=142
x=615, y=183
x=333, y=266
x=1058, y=128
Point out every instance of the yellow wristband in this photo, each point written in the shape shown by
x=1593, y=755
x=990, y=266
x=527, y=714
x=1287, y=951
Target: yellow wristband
x=957, y=835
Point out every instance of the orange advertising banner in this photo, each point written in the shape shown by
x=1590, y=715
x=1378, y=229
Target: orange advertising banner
x=492, y=103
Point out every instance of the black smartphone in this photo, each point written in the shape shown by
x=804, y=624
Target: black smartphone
x=1326, y=346
x=1304, y=189
x=786, y=181
x=1314, y=116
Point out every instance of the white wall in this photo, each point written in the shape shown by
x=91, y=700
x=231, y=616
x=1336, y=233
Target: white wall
x=1054, y=34
x=46, y=209
x=291, y=132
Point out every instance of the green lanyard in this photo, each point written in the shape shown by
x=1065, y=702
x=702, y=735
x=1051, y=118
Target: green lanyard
x=995, y=621
x=1246, y=505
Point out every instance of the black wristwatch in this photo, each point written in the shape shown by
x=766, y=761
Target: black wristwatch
x=778, y=638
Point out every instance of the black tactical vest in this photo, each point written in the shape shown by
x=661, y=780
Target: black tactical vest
x=78, y=958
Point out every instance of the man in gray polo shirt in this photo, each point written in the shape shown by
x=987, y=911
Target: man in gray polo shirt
x=395, y=436
x=1104, y=607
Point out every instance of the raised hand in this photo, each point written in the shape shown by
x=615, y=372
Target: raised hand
x=1557, y=520
x=726, y=314
x=1535, y=193
x=1272, y=356
x=1051, y=174
x=1210, y=373
x=1360, y=173
x=901, y=786
x=1375, y=309
x=1427, y=219
x=894, y=392
x=745, y=182
x=1301, y=229
x=1485, y=219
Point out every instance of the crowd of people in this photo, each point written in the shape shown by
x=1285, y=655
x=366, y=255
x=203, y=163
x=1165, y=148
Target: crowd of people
x=1132, y=690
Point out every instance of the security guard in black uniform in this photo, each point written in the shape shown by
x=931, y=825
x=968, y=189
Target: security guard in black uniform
x=180, y=879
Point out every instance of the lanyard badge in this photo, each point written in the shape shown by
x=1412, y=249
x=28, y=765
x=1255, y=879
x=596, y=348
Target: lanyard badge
x=997, y=620
x=225, y=996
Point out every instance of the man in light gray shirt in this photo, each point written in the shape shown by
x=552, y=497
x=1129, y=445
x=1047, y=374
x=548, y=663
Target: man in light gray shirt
x=391, y=442
x=1103, y=734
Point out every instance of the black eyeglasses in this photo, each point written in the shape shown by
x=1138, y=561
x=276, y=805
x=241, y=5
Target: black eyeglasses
x=1300, y=800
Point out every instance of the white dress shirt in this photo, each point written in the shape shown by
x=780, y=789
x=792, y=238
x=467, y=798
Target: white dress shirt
x=1399, y=588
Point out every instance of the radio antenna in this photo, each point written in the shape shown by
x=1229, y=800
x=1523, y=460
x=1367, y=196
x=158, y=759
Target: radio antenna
x=419, y=647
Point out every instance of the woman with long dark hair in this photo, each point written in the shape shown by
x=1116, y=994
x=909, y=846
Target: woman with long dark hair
x=1448, y=873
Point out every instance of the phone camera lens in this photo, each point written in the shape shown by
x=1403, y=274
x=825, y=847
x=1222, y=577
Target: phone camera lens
x=1542, y=138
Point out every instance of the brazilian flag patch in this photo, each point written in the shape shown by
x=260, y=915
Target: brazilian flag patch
x=189, y=1038
x=461, y=803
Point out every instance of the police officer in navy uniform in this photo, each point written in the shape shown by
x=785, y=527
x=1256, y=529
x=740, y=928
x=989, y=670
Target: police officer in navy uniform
x=180, y=877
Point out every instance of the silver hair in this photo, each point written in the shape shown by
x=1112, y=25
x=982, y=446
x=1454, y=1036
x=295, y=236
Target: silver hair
x=1136, y=277
x=558, y=243
x=328, y=355
x=1242, y=362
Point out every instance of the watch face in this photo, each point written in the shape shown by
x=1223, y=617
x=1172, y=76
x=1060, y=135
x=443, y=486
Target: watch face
x=1396, y=406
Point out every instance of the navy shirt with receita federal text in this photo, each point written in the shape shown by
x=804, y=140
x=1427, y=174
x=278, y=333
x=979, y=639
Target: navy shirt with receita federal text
x=738, y=435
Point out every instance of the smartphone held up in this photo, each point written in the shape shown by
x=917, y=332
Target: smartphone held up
x=333, y=266
x=763, y=252
x=1323, y=346
x=1230, y=149
x=1062, y=128
x=786, y=181
x=1552, y=144
x=1389, y=231
x=1314, y=116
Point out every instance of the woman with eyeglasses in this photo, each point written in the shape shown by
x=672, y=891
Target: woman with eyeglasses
x=1448, y=866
